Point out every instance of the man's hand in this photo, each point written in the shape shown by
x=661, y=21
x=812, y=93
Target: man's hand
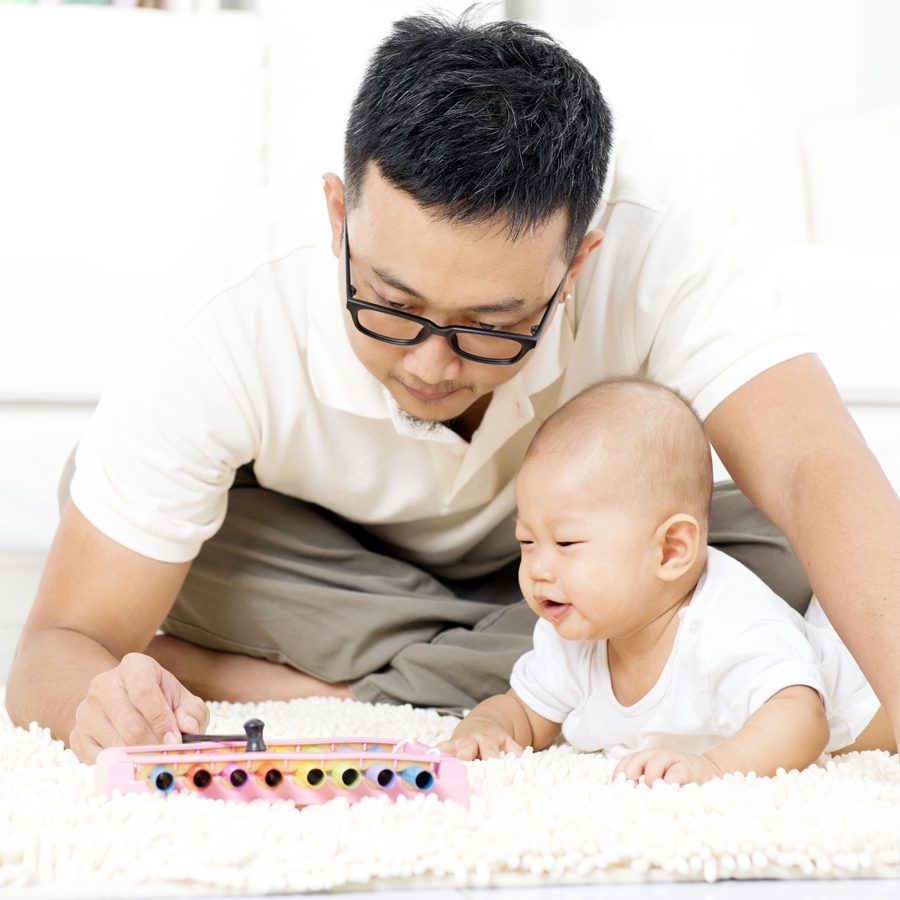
x=137, y=702
x=671, y=766
x=480, y=738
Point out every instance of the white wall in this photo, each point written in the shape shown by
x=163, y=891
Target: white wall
x=136, y=143
x=792, y=109
x=134, y=137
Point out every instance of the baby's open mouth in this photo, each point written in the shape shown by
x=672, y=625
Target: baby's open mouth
x=554, y=609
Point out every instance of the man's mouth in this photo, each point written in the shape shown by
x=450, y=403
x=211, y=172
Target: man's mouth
x=424, y=395
x=429, y=395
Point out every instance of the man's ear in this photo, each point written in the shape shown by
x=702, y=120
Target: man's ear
x=334, y=204
x=677, y=545
x=590, y=242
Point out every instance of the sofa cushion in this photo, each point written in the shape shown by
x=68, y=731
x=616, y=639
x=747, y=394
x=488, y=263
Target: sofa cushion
x=126, y=131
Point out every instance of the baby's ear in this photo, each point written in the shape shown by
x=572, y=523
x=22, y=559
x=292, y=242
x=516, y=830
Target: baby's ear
x=677, y=542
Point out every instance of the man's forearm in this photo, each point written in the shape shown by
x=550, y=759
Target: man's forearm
x=844, y=527
x=50, y=676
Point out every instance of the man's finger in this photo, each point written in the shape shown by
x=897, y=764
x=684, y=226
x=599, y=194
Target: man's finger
x=191, y=713
x=92, y=733
x=129, y=727
x=142, y=686
x=84, y=747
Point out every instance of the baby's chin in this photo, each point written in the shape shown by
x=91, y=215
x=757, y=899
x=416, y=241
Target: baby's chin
x=569, y=623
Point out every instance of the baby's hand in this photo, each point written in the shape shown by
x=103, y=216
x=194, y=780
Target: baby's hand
x=479, y=739
x=672, y=766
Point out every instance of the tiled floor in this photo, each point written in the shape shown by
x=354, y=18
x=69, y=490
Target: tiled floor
x=19, y=575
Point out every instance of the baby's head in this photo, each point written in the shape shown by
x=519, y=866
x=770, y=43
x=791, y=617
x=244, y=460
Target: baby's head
x=613, y=509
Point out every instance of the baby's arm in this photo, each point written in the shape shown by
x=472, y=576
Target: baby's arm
x=789, y=731
x=500, y=724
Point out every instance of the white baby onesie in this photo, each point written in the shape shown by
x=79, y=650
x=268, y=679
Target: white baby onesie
x=737, y=644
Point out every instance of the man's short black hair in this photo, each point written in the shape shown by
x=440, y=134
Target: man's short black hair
x=477, y=121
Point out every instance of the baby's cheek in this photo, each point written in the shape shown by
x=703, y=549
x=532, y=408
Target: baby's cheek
x=524, y=586
x=581, y=581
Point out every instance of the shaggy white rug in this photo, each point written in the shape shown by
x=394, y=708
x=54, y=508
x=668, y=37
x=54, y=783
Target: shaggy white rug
x=550, y=817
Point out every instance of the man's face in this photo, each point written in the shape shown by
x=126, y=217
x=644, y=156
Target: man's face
x=451, y=273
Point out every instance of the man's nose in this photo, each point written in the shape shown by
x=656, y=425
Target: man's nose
x=432, y=361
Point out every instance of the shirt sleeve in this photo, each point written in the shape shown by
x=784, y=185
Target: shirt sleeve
x=710, y=315
x=548, y=678
x=159, y=454
x=766, y=657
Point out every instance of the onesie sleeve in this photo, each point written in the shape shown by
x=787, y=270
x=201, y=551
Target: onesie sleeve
x=549, y=678
x=766, y=657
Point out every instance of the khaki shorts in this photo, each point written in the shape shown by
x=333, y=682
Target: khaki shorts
x=289, y=582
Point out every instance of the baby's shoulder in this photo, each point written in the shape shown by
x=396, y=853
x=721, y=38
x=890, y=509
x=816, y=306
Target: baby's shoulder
x=730, y=601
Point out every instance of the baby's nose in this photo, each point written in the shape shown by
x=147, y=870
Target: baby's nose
x=539, y=568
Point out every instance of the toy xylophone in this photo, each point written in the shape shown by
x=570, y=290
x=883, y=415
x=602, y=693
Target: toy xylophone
x=244, y=767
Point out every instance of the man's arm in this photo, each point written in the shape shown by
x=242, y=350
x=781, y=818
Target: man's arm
x=97, y=603
x=792, y=447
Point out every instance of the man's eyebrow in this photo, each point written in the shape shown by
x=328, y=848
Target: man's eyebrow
x=507, y=305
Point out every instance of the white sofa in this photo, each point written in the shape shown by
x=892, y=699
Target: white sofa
x=133, y=138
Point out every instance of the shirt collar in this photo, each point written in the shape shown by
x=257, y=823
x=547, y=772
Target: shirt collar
x=339, y=379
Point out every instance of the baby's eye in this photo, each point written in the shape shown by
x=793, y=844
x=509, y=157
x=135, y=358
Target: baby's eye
x=524, y=543
x=567, y=543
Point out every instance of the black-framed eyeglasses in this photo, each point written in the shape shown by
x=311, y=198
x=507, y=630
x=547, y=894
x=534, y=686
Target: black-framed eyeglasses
x=494, y=348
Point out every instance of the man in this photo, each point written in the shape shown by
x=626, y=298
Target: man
x=308, y=483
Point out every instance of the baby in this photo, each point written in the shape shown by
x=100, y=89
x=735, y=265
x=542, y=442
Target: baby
x=651, y=645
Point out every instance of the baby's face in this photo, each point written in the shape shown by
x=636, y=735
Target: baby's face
x=587, y=562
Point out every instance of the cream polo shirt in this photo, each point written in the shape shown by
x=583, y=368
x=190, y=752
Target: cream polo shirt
x=263, y=372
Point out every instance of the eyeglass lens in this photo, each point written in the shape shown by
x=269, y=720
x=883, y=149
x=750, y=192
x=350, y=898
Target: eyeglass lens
x=394, y=327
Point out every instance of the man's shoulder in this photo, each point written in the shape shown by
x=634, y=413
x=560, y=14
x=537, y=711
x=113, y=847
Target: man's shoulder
x=241, y=315
x=641, y=176
x=645, y=187
x=240, y=282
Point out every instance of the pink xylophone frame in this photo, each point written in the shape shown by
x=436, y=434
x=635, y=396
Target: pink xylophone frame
x=306, y=772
